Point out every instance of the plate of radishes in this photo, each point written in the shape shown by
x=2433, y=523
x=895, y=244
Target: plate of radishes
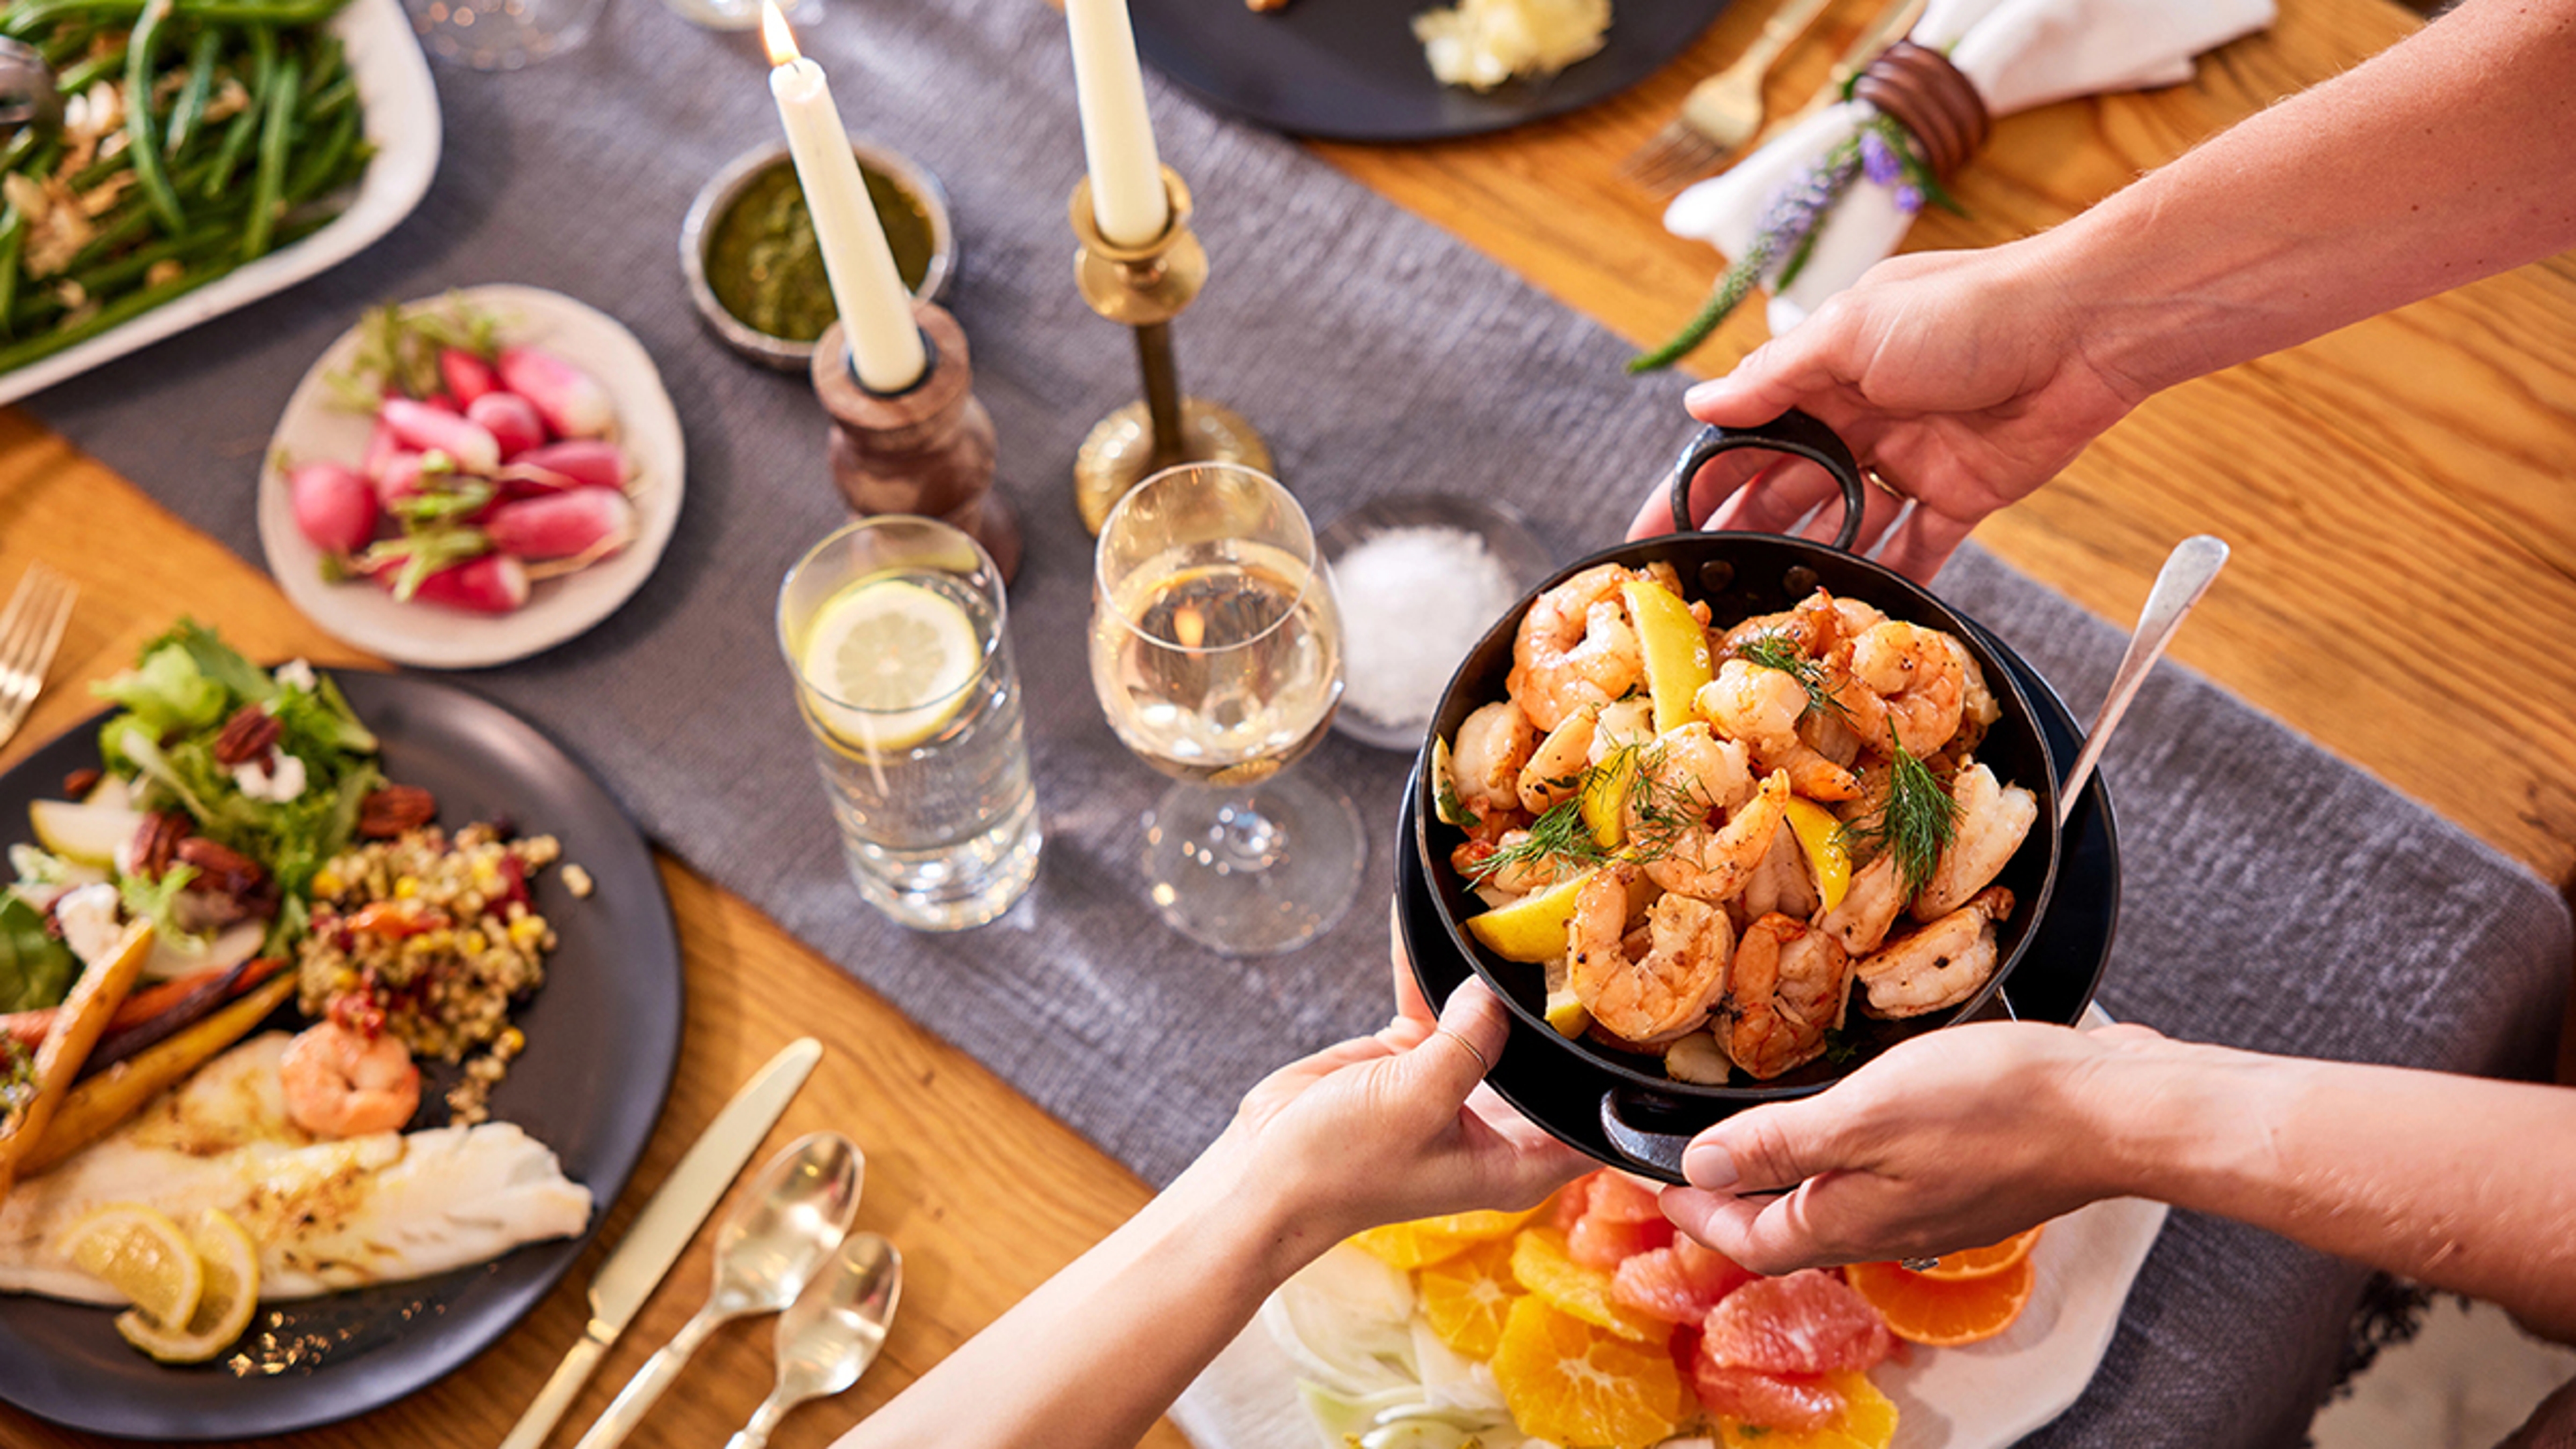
x=473, y=478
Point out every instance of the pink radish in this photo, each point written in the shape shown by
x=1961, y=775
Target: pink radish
x=467, y=376
x=334, y=507
x=441, y=402
x=381, y=448
x=400, y=478
x=581, y=521
x=421, y=426
x=493, y=583
x=577, y=463
x=570, y=400
x=510, y=419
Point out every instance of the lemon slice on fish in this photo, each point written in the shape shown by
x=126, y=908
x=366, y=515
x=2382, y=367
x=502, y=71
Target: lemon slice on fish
x=231, y=1265
x=140, y=1253
x=886, y=663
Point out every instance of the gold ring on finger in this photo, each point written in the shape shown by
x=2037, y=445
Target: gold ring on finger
x=1471, y=1047
x=1886, y=485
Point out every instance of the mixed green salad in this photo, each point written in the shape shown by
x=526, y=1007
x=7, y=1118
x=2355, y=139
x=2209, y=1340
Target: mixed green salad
x=222, y=788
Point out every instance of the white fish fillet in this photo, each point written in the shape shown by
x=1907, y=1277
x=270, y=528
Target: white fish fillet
x=326, y=1215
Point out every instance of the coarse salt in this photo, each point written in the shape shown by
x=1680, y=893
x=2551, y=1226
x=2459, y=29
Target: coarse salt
x=1414, y=601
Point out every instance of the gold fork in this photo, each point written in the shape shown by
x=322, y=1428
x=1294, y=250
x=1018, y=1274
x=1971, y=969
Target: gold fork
x=31, y=629
x=1722, y=112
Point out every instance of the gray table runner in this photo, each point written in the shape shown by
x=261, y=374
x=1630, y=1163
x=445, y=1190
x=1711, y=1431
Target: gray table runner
x=2274, y=898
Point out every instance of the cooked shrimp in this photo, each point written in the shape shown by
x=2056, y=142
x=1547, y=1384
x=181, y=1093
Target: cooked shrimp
x=1757, y=705
x=1810, y=774
x=1667, y=991
x=1812, y=627
x=1870, y=905
x=1940, y=965
x=1830, y=735
x=1978, y=707
x=1785, y=989
x=1691, y=772
x=1575, y=647
x=341, y=1084
x=1513, y=877
x=1713, y=865
x=1485, y=761
x=1628, y=722
x=1900, y=678
x=1781, y=884
x=1555, y=768
x=1992, y=822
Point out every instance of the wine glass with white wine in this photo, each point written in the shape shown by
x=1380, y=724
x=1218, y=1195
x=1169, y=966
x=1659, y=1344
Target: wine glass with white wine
x=1216, y=649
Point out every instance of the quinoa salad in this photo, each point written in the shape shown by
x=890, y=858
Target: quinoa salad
x=432, y=939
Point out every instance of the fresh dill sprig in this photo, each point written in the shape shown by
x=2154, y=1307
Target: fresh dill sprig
x=1656, y=812
x=1771, y=651
x=1558, y=837
x=1915, y=822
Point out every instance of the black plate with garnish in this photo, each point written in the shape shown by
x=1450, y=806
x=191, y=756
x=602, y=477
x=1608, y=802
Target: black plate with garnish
x=603, y=1037
x=1644, y=1114
x=1351, y=70
x=2054, y=983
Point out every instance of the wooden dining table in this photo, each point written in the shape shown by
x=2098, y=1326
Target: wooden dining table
x=2398, y=496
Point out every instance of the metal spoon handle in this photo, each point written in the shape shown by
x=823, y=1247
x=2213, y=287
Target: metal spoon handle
x=658, y=1373
x=2185, y=577
x=764, y=1422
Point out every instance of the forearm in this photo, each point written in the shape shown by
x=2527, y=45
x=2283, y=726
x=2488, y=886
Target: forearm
x=2460, y=1182
x=1097, y=1353
x=2449, y=157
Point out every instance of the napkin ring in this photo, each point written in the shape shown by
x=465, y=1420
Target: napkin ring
x=1918, y=88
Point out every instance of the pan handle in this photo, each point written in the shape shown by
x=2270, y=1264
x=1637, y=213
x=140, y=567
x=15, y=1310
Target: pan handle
x=1657, y=1154
x=1791, y=432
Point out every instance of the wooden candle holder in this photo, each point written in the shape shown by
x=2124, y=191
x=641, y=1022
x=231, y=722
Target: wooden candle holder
x=925, y=450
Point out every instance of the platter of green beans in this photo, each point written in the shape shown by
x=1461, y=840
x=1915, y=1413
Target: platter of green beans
x=272, y=139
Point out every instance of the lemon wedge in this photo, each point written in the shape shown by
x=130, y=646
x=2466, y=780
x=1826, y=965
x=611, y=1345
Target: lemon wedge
x=1533, y=927
x=1605, y=798
x=1676, y=649
x=140, y=1253
x=1828, y=853
x=231, y=1266
x=1567, y=1013
x=886, y=663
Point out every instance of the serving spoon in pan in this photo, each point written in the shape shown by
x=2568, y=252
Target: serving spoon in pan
x=2180, y=583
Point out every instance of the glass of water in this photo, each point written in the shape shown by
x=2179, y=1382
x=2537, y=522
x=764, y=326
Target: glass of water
x=893, y=627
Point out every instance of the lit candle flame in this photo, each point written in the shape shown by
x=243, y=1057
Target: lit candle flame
x=1190, y=625
x=775, y=34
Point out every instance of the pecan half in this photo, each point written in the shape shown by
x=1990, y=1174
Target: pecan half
x=391, y=810
x=249, y=735
x=156, y=841
x=78, y=784
x=220, y=868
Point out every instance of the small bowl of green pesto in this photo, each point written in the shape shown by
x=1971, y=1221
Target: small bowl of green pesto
x=754, y=269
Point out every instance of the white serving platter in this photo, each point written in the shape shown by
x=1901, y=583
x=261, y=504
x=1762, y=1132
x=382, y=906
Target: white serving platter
x=315, y=428
x=400, y=106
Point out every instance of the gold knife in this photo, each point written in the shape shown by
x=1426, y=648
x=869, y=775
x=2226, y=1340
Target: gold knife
x=663, y=1230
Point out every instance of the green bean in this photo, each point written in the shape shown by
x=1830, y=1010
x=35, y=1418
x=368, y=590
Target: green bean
x=16, y=149
x=191, y=105
x=30, y=16
x=62, y=45
x=78, y=78
x=13, y=243
x=145, y=147
x=263, y=46
x=114, y=314
x=329, y=101
x=205, y=239
x=268, y=186
x=319, y=163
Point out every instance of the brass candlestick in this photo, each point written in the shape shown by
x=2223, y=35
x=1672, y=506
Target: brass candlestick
x=925, y=450
x=1145, y=288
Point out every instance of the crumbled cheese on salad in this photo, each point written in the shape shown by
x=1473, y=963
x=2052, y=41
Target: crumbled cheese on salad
x=88, y=920
x=295, y=674
x=279, y=783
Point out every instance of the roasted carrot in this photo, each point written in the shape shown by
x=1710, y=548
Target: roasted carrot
x=96, y=1106
x=29, y=1027
x=76, y=1029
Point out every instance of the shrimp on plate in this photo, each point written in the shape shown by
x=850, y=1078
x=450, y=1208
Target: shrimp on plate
x=1940, y=965
x=1485, y=764
x=1787, y=986
x=1576, y=647
x=1762, y=707
x=1667, y=991
x=1714, y=865
x=339, y=1083
x=1900, y=681
x=1992, y=823
x=1869, y=907
x=1555, y=768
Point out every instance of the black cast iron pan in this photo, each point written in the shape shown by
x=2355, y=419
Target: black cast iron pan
x=1646, y=1115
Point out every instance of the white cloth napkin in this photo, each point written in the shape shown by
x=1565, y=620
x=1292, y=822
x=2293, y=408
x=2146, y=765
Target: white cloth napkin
x=2018, y=54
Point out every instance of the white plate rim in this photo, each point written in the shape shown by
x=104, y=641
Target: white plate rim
x=358, y=614
x=400, y=106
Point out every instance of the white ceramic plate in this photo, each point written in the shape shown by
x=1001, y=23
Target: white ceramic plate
x=401, y=118
x=1983, y=1396
x=314, y=427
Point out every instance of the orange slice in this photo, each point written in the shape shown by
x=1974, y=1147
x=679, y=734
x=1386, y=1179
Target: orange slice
x=1543, y=1266
x=1570, y=1383
x=1984, y=1262
x=1410, y=1245
x=1466, y=1298
x=1868, y=1421
x=1944, y=1314
x=1477, y=1227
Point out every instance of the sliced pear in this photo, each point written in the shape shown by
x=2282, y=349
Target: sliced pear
x=87, y=834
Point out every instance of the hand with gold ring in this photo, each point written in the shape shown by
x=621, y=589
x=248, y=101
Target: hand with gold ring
x=1958, y=379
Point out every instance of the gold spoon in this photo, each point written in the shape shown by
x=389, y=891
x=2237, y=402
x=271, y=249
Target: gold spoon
x=770, y=1247
x=827, y=1338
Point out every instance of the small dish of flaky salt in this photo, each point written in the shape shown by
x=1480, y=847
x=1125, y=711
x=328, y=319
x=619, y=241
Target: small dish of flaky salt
x=1420, y=578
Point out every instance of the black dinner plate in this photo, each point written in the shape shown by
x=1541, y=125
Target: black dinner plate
x=1350, y=70
x=2054, y=983
x=603, y=1037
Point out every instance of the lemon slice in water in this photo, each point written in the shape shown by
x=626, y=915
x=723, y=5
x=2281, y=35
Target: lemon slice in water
x=887, y=662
